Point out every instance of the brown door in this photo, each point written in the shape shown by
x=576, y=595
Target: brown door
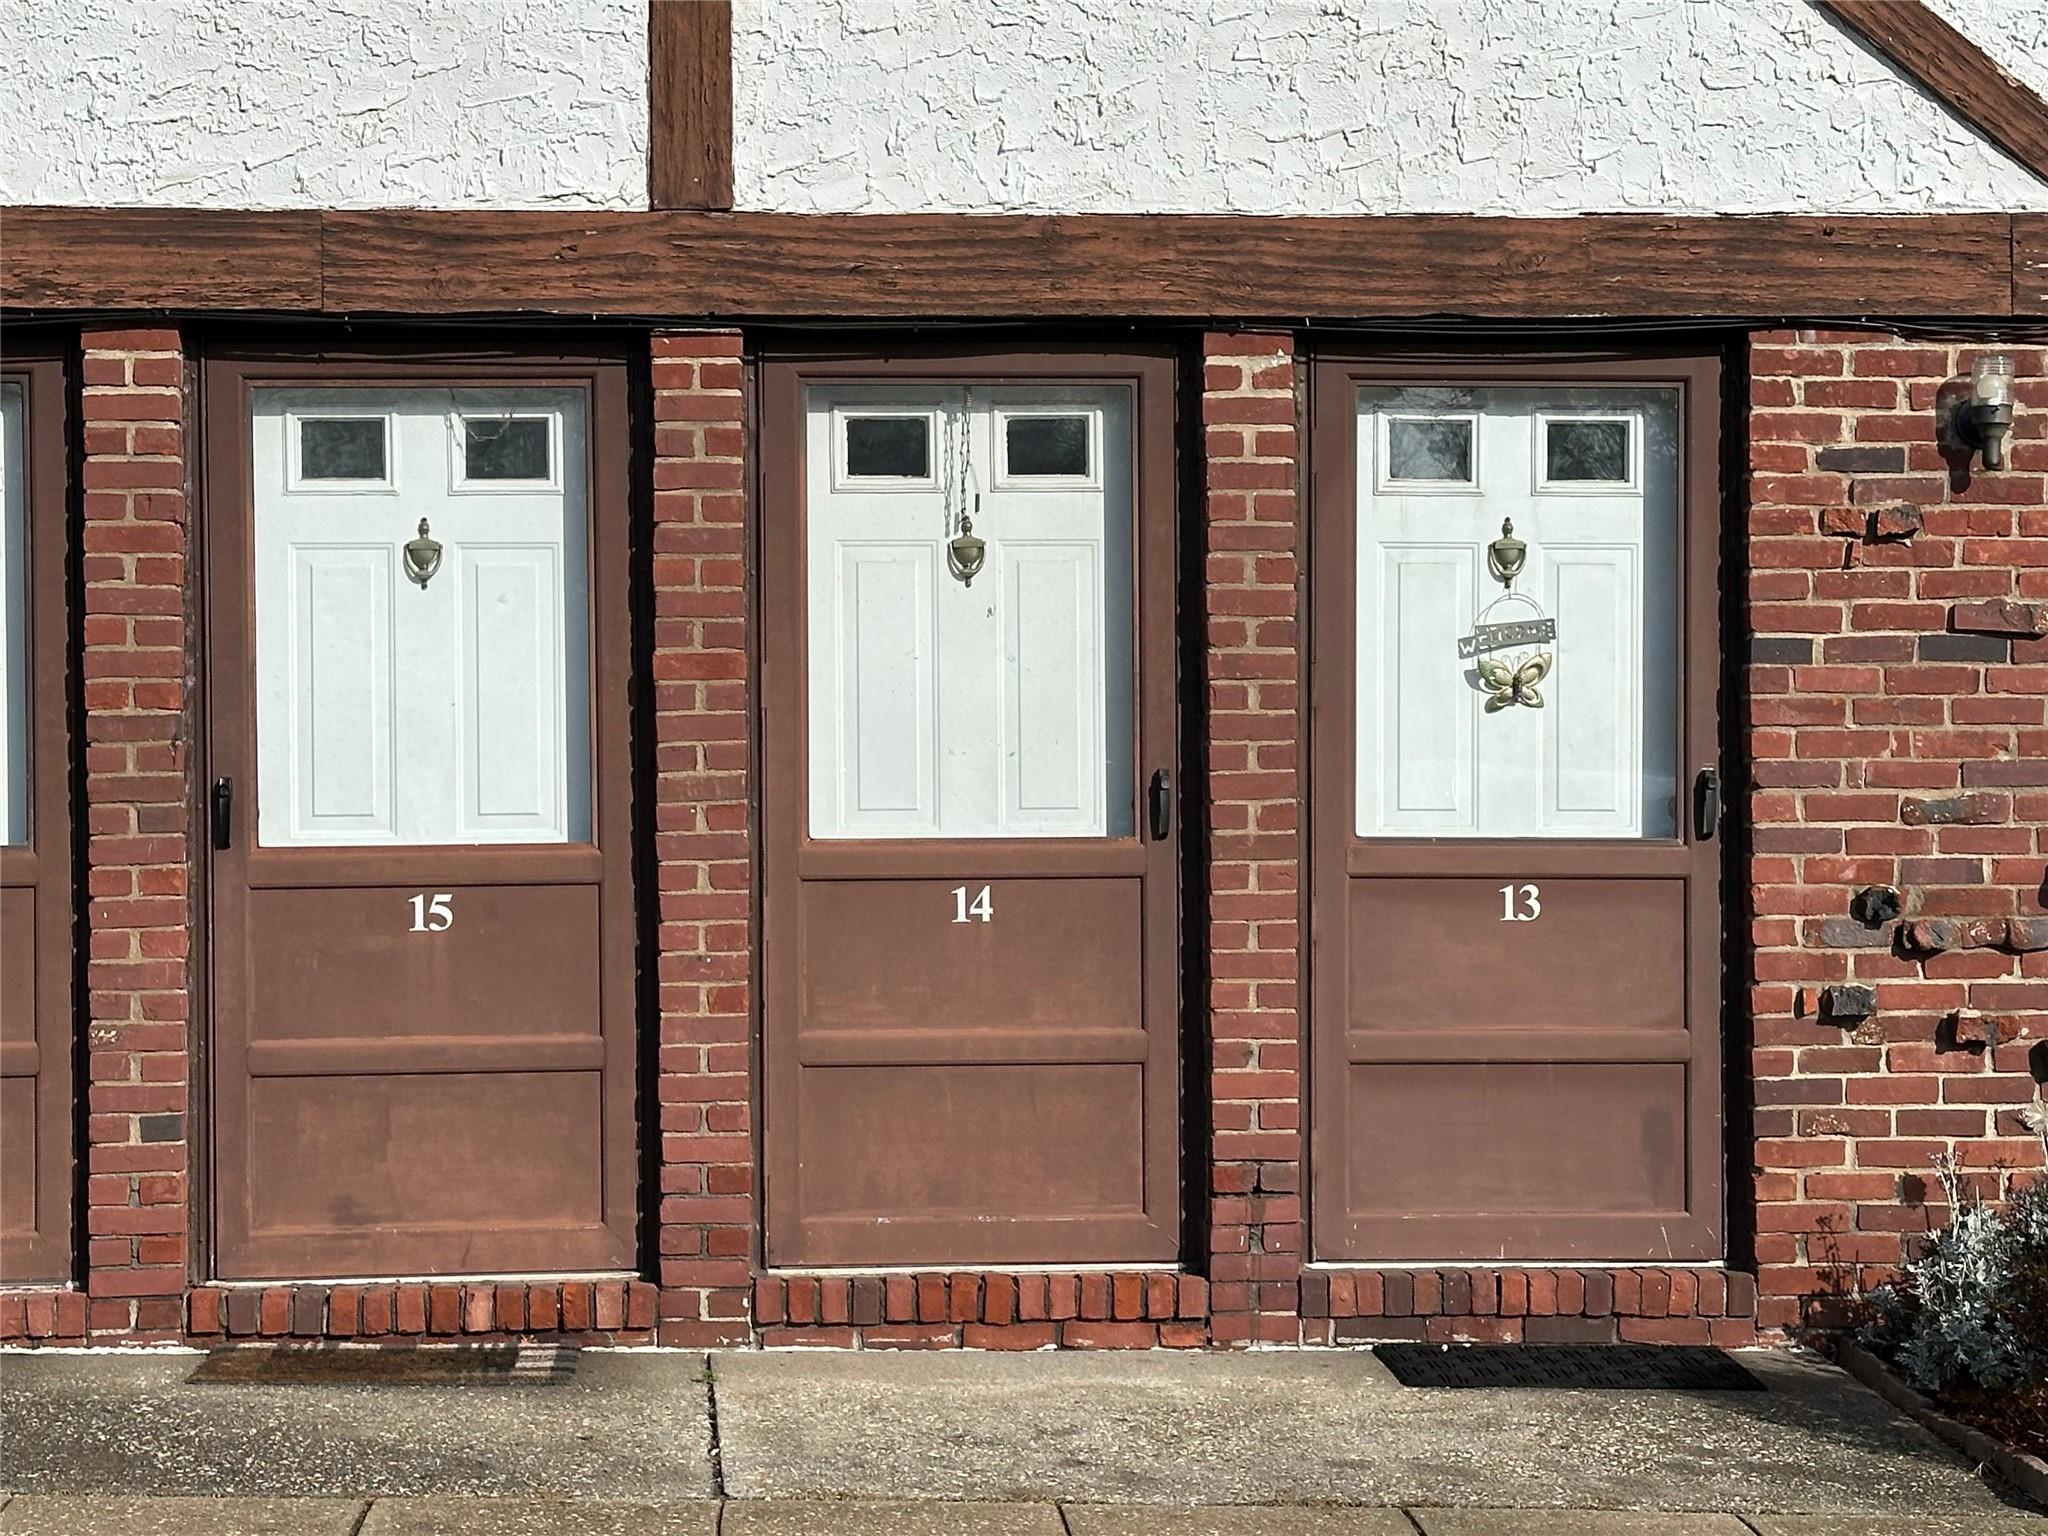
x=970, y=904
x=36, y=1168
x=422, y=935
x=1516, y=897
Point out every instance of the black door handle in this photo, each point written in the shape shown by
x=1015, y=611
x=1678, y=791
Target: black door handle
x=223, y=812
x=1161, y=804
x=1706, y=803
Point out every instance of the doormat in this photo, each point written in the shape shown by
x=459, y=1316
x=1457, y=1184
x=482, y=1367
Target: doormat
x=1602, y=1367
x=359, y=1365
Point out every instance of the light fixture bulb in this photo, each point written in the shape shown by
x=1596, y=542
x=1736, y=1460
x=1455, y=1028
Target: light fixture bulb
x=1991, y=379
x=1988, y=413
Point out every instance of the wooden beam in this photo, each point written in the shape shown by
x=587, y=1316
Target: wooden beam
x=142, y=258
x=2030, y=264
x=1955, y=71
x=749, y=266
x=689, y=81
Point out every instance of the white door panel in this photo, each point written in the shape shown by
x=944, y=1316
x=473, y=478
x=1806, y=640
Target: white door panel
x=1589, y=478
x=394, y=712
x=336, y=693
x=14, y=667
x=999, y=707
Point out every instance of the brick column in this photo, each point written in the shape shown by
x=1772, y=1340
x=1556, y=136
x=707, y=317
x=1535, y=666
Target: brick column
x=1251, y=678
x=137, y=737
x=703, y=839
x=1898, y=678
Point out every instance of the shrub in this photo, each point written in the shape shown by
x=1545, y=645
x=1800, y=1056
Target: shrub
x=1972, y=1311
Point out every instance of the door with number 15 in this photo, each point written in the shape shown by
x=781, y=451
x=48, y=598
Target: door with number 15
x=422, y=935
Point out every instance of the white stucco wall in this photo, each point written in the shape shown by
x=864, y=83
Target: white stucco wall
x=1346, y=106
x=324, y=103
x=1255, y=106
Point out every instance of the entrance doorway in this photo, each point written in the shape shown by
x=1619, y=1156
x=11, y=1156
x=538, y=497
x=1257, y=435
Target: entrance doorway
x=421, y=889
x=971, y=1049
x=36, y=1040
x=1517, y=1041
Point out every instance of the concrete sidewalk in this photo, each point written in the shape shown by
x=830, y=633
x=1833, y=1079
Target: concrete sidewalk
x=1319, y=1443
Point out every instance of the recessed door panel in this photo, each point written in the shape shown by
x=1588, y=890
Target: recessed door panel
x=421, y=879
x=970, y=1044
x=36, y=958
x=1517, y=911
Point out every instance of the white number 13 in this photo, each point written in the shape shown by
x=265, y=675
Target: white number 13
x=436, y=916
x=1527, y=910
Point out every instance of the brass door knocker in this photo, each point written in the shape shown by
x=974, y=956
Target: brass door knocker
x=1506, y=555
x=965, y=551
x=422, y=556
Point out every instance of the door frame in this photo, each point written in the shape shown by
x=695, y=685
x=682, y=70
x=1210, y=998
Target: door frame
x=47, y=862
x=226, y=704
x=1334, y=851
x=1153, y=372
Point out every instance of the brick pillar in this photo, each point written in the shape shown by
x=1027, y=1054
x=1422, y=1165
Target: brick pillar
x=1251, y=675
x=138, y=850
x=703, y=839
x=1898, y=678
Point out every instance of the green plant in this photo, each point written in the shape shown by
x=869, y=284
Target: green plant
x=1971, y=1312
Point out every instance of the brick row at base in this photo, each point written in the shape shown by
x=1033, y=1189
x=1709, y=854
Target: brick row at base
x=56, y=1315
x=1098, y=1310
x=1639, y=1303
x=620, y=1311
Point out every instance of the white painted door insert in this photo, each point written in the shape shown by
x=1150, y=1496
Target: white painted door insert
x=14, y=657
x=1588, y=476
x=395, y=712
x=944, y=707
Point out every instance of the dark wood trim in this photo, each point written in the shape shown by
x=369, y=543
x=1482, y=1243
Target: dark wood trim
x=689, y=108
x=2030, y=264
x=1955, y=71
x=766, y=266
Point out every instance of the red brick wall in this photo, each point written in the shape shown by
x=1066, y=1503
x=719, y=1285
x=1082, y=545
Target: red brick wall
x=1251, y=676
x=1896, y=618
x=1898, y=678
x=137, y=734
x=703, y=840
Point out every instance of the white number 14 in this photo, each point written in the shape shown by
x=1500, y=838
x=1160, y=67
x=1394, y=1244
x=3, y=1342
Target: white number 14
x=1526, y=911
x=983, y=906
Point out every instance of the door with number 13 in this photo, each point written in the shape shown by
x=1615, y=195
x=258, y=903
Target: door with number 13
x=1517, y=1046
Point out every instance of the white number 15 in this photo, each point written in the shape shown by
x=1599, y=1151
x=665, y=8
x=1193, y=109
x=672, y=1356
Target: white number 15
x=436, y=916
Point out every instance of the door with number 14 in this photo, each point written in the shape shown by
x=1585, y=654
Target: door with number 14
x=970, y=982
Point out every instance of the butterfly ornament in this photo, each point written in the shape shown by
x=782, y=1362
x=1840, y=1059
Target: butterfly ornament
x=1508, y=685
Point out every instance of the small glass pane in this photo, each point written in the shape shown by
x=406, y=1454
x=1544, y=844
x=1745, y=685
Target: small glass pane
x=1048, y=445
x=508, y=448
x=1424, y=448
x=898, y=447
x=341, y=448
x=1586, y=450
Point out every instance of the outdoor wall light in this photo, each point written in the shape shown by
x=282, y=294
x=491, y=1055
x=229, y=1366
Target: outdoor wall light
x=1985, y=414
